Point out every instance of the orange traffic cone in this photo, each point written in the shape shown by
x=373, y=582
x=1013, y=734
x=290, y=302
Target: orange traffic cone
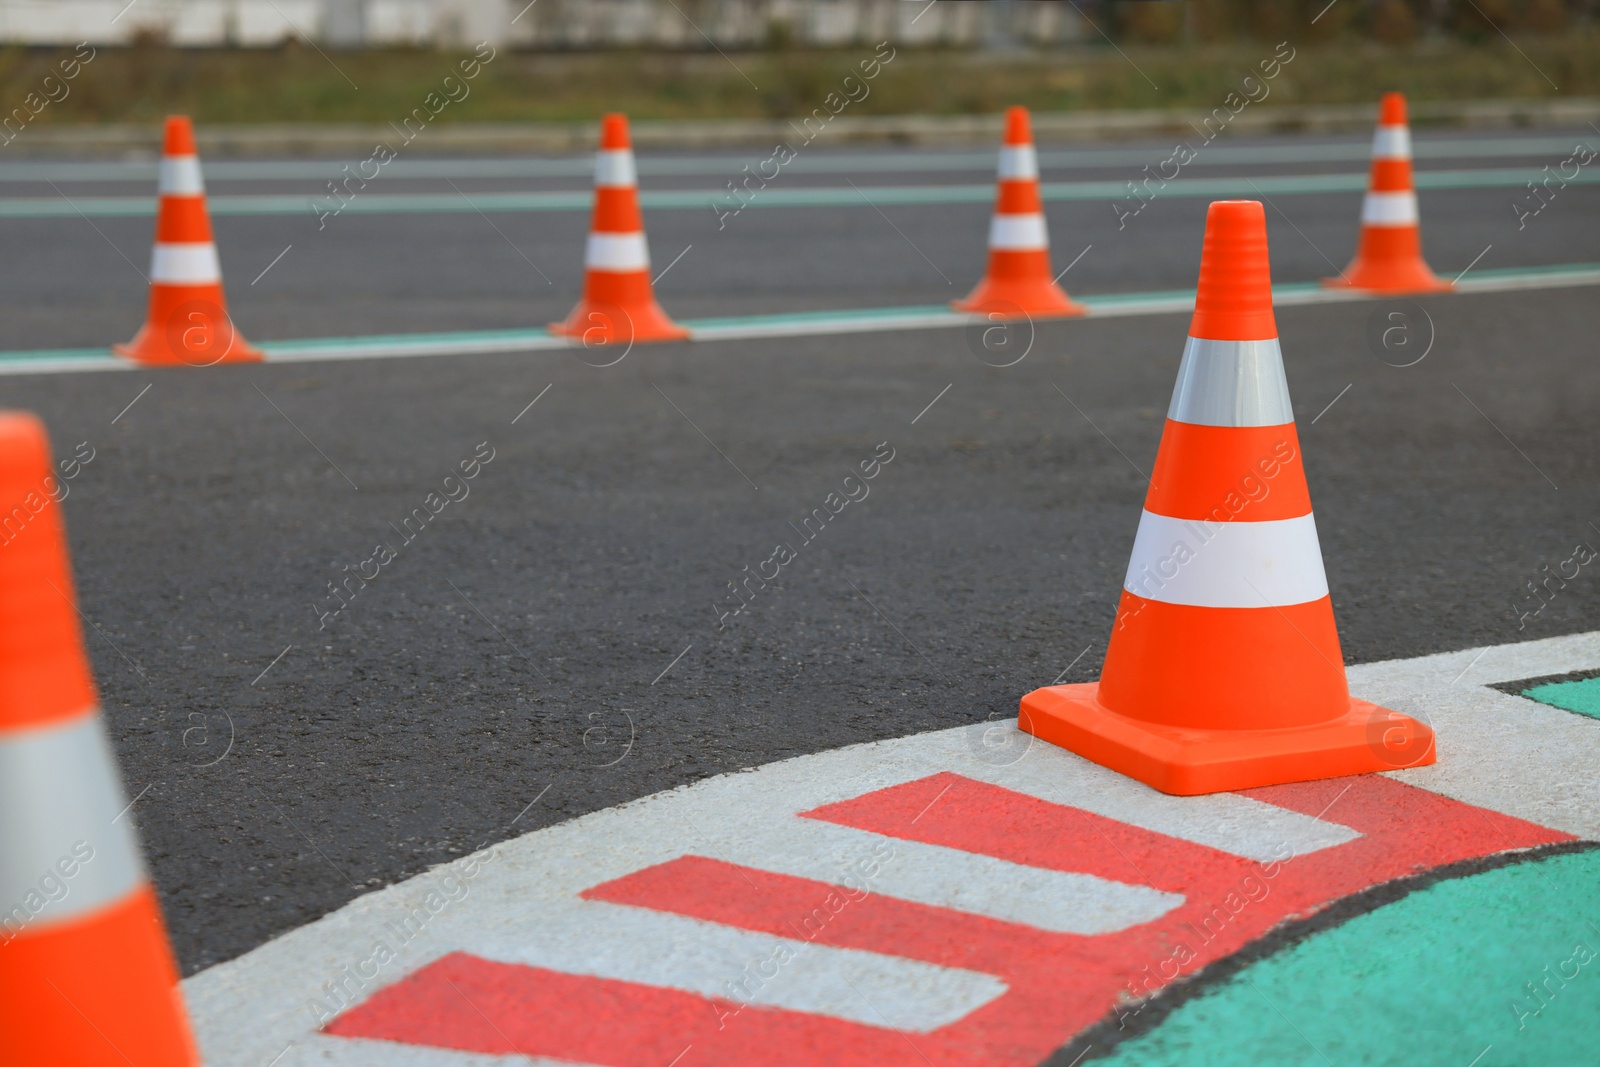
x=619, y=304
x=86, y=977
x=1018, y=281
x=188, y=321
x=1389, y=258
x=1224, y=669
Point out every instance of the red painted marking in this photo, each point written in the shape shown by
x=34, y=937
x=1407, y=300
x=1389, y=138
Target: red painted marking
x=956, y=812
x=1059, y=984
x=471, y=1004
x=804, y=910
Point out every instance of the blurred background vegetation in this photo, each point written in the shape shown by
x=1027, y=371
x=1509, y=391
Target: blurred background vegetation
x=1192, y=51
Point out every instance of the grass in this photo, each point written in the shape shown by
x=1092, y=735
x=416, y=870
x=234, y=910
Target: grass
x=298, y=84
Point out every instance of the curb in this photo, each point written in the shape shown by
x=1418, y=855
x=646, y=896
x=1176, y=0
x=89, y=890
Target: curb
x=314, y=139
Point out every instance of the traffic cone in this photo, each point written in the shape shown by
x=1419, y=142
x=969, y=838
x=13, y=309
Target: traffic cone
x=1224, y=669
x=619, y=304
x=86, y=976
x=1389, y=258
x=188, y=322
x=1019, y=280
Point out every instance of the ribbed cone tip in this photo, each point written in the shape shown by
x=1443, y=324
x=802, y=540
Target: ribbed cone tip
x=180, y=137
x=44, y=676
x=614, y=132
x=1392, y=110
x=1018, y=129
x=1234, y=299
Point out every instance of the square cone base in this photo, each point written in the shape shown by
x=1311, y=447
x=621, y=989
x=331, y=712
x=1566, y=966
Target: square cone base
x=1188, y=762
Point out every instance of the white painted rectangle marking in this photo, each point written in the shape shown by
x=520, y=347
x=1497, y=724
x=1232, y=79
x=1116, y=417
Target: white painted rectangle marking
x=1065, y=902
x=658, y=948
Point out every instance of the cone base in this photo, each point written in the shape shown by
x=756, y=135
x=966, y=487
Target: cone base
x=152, y=348
x=1188, y=762
x=1393, y=279
x=1009, y=298
x=597, y=323
x=1389, y=260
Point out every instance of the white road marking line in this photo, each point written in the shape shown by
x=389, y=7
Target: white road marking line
x=1060, y=901
x=489, y=342
x=1498, y=751
x=661, y=949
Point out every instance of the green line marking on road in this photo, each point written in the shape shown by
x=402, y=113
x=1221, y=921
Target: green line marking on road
x=825, y=196
x=1493, y=960
x=787, y=324
x=1582, y=696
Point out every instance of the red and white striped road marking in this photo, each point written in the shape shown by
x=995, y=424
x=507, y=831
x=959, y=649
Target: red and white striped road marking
x=926, y=900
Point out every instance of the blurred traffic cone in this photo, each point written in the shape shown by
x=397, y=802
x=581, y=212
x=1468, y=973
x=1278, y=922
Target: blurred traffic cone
x=86, y=977
x=1019, y=281
x=188, y=322
x=1389, y=258
x=1224, y=669
x=619, y=304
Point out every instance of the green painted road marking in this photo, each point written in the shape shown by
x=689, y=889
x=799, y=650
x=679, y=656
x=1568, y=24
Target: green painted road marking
x=1435, y=977
x=774, y=196
x=790, y=324
x=1581, y=696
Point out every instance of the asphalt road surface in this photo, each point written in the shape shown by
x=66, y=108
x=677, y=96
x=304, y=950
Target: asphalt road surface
x=549, y=645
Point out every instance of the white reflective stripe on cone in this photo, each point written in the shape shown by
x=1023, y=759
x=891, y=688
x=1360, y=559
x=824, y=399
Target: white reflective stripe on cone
x=1392, y=142
x=185, y=264
x=613, y=168
x=1018, y=162
x=1226, y=564
x=63, y=849
x=616, y=252
x=1018, y=232
x=180, y=176
x=1231, y=383
x=1389, y=209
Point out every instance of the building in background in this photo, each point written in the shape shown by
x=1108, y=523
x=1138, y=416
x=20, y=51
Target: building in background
x=541, y=23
